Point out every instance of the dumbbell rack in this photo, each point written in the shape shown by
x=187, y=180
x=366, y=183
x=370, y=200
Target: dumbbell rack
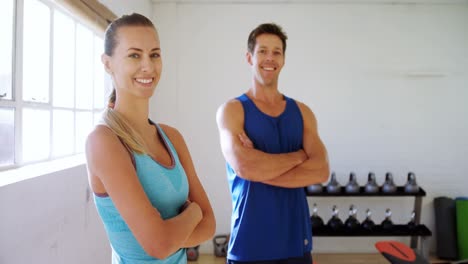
x=418, y=231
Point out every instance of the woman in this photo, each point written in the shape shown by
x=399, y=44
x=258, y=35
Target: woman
x=145, y=186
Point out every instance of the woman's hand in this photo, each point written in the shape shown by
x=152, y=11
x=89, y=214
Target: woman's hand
x=194, y=208
x=184, y=206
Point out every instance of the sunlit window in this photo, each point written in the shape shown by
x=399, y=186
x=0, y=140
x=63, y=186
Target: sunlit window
x=99, y=81
x=83, y=124
x=36, y=47
x=84, y=68
x=36, y=134
x=7, y=140
x=63, y=132
x=64, y=61
x=48, y=106
x=6, y=49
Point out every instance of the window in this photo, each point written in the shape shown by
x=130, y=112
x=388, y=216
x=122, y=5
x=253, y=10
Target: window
x=52, y=82
x=7, y=111
x=6, y=48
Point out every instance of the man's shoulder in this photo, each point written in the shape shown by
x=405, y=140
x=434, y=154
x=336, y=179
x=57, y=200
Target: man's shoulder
x=300, y=104
x=230, y=110
x=304, y=109
x=233, y=103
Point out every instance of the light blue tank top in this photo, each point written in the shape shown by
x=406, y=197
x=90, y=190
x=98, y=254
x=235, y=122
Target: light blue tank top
x=166, y=188
x=269, y=222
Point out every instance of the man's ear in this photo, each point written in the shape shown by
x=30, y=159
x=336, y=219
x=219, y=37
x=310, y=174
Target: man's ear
x=105, y=59
x=248, y=56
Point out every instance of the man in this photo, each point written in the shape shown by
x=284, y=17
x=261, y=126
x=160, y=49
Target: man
x=273, y=150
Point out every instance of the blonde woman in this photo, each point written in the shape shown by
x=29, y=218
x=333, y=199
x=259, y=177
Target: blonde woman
x=146, y=190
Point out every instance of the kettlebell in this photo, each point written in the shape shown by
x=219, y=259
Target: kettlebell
x=352, y=186
x=368, y=224
x=387, y=223
x=352, y=223
x=335, y=222
x=314, y=188
x=371, y=185
x=333, y=186
x=315, y=220
x=389, y=185
x=411, y=186
x=220, y=243
x=412, y=222
x=192, y=253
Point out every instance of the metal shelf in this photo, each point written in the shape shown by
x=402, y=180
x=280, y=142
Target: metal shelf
x=399, y=192
x=378, y=230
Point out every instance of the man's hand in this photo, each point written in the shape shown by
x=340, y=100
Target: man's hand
x=246, y=142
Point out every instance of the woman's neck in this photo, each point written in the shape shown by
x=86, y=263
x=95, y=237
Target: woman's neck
x=135, y=112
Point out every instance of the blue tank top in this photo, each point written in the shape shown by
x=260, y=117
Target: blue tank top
x=166, y=188
x=269, y=222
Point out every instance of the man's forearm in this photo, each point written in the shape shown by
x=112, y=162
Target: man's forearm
x=308, y=173
x=256, y=165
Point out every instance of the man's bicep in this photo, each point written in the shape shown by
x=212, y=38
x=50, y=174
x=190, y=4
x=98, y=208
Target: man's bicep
x=230, y=126
x=312, y=143
x=227, y=141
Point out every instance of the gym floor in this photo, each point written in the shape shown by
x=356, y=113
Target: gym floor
x=319, y=259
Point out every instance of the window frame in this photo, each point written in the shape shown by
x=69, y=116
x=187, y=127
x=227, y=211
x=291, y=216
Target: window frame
x=17, y=103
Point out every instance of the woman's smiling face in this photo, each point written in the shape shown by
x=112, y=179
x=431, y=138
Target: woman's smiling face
x=135, y=64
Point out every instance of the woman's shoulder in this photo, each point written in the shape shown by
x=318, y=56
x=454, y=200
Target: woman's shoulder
x=101, y=136
x=171, y=131
x=101, y=131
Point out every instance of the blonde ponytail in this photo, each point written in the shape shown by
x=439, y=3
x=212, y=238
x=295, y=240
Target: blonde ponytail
x=117, y=123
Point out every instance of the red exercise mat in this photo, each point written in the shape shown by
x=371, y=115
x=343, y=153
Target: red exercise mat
x=399, y=253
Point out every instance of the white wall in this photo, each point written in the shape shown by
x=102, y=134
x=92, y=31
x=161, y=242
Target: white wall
x=51, y=219
x=387, y=83
x=122, y=7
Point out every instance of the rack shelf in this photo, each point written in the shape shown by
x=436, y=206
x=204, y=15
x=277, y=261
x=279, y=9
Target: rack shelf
x=419, y=231
x=378, y=230
x=399, y=192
